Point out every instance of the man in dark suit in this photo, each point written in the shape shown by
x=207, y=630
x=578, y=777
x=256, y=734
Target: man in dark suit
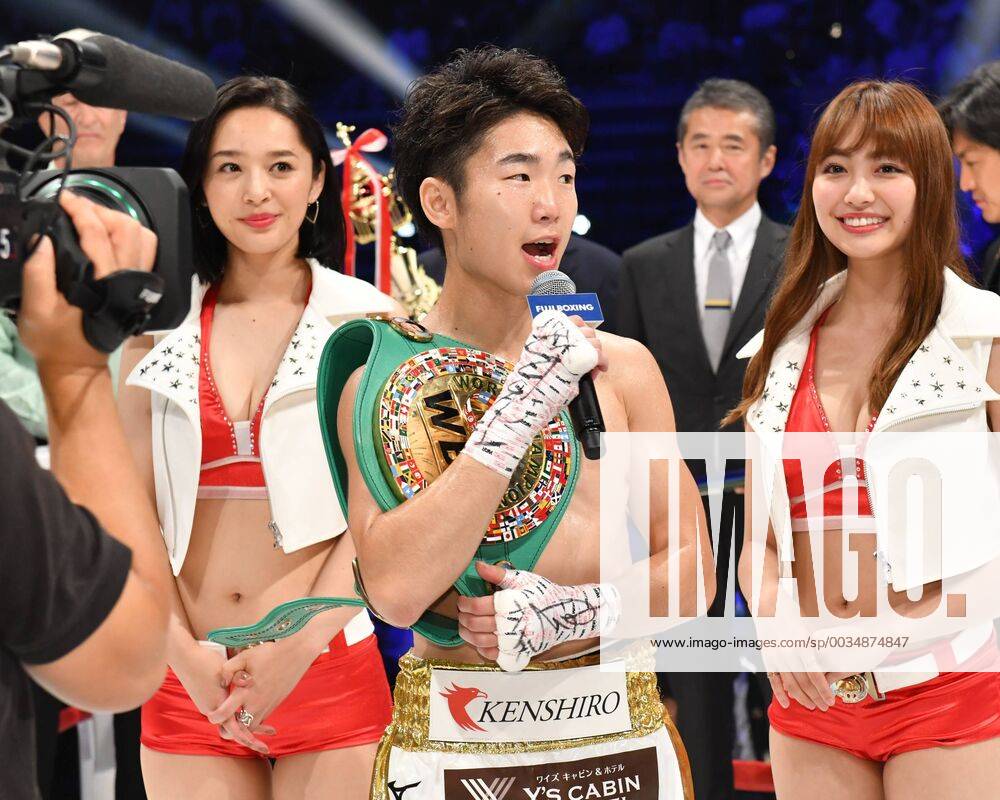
x=694, y=297
x=972, y=113
x=990, y=264
x=591, y=266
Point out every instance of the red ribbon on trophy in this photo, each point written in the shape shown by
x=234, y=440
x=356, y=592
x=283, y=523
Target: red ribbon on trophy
x=365, y=199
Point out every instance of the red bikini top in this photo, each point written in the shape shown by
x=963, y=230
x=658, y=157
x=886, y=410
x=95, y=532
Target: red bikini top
x=806, y=415
x=230, y=451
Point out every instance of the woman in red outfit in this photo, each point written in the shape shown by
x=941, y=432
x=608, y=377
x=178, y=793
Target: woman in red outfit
x=221, y=411
x=875, y=327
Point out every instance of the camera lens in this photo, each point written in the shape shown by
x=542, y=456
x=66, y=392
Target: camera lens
x=98, y=187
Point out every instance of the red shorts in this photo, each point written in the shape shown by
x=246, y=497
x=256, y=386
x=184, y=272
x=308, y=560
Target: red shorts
x=955, y=708
x=342, y=700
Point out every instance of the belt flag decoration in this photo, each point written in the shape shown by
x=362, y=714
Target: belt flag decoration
x=373, y=212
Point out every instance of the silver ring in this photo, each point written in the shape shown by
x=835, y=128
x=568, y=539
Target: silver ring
x=245, y=717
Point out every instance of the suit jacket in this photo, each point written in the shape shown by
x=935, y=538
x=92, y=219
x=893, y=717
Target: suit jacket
x=658, y=305
x=991, y=267
x=591, y=266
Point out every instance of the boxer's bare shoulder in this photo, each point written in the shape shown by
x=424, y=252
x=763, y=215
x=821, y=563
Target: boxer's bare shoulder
x=634, y=382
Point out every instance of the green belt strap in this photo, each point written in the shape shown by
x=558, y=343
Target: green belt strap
x=280, y=621
x=381, y=349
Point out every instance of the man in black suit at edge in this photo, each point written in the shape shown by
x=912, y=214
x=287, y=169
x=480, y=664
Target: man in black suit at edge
x=694, y=297
x=971, y=111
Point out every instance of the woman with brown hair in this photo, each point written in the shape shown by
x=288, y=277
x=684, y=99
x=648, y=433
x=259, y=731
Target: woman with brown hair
x=875, y=327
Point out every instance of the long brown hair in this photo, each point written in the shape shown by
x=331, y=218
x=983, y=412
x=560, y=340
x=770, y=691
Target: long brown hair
x=895, y=120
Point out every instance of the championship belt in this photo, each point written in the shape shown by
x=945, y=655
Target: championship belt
x=418, y=400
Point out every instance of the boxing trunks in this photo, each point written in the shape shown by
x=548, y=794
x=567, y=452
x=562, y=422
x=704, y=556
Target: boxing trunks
x=568, y=730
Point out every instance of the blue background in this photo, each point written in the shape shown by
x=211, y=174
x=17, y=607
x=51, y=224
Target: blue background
x=633, y=64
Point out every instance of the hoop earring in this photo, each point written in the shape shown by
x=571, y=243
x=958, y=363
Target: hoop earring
x=312, y=220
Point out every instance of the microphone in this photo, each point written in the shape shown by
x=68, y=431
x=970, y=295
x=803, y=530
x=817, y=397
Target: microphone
x=104, y=71
x=554, y=290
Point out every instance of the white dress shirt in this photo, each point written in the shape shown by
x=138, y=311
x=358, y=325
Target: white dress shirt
x=743, y=229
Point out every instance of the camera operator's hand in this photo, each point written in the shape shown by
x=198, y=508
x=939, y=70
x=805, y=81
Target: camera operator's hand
x=122, y=663
x=48, y=325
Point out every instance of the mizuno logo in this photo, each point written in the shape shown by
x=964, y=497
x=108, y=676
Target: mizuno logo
x=496, y=790
x=398, y=791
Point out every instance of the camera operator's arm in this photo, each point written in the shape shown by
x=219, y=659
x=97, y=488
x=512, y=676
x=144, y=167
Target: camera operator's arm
x=122, y=662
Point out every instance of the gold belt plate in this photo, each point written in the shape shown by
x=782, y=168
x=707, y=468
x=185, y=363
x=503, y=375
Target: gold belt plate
x=429, y=406
x=852, y=689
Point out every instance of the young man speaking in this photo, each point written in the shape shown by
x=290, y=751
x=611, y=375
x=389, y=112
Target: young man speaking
x=474, y=515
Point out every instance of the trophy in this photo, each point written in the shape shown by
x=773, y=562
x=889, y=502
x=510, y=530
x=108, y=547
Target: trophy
x=374, y=211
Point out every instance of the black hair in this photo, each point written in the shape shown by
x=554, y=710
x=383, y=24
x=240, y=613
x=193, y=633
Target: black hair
x=973, y=106
x=735, y=96
x=322, y=240
x=448, y=112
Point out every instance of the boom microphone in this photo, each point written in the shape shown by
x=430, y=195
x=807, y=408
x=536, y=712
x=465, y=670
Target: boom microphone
x=554, y=289
x=104, y=71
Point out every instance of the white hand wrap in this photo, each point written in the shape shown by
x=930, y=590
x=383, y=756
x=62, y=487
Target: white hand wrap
x=555, y=357
x=533, y=615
